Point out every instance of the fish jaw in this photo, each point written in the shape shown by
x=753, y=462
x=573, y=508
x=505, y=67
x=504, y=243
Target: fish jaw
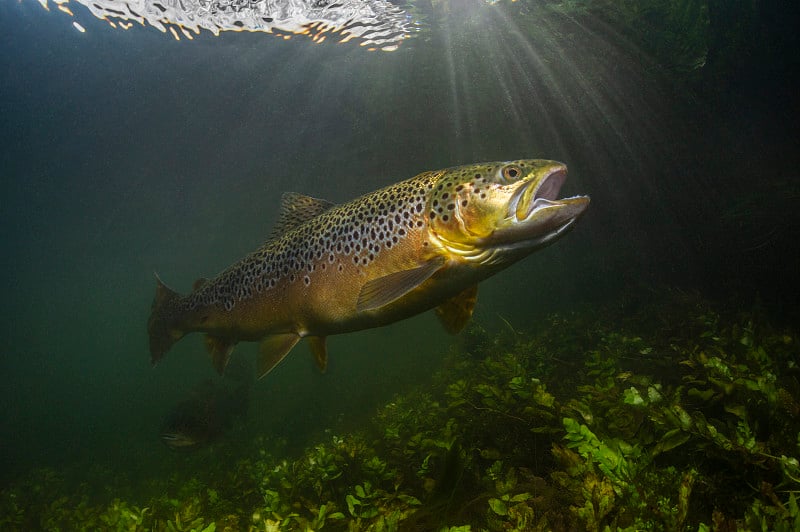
x=535, y=216
x=498, y=212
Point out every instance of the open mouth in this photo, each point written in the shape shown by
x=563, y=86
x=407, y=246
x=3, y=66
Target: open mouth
x=539, y=194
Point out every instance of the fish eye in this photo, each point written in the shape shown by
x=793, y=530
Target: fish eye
x=511, y=173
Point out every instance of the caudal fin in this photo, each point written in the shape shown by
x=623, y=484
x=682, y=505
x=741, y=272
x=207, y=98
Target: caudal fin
x=162, y=323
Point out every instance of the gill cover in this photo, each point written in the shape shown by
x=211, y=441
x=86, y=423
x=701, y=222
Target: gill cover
x=497, y=205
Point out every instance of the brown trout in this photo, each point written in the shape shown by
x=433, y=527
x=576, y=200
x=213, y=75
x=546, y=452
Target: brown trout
x=417, y=245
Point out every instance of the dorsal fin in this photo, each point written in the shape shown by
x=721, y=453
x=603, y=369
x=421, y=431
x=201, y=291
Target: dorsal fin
x=297, y=209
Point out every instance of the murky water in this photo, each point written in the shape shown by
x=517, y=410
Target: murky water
x=132, y=151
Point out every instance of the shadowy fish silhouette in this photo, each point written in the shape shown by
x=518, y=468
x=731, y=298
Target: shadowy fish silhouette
x=208, y=412
x=407, y=248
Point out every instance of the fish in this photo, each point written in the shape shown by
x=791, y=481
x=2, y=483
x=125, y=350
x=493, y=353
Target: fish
x=207, y=413
x=420, y=244
x=195, y=421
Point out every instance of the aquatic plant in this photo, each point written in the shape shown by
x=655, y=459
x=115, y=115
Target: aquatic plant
x=653, y=414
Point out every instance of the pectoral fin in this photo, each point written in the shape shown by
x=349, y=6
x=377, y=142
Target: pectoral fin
x=220, y=350
x=273, y=349
x=320, y=352
x=456, y=311
x=384, y=290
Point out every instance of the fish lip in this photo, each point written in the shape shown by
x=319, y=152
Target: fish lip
x=536, y=216
x=542, y=193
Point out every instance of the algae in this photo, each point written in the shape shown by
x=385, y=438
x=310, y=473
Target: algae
x=654, y=413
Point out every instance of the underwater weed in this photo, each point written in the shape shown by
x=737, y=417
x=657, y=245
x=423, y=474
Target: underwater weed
x=672, y=416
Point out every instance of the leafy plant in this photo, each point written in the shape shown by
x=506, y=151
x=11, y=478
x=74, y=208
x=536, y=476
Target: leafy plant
x=675, y=416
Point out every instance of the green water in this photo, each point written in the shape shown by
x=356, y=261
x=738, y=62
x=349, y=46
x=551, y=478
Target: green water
x=126, y=153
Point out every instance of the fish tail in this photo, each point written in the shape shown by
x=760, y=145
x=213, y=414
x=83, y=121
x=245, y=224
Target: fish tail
x=162, y=327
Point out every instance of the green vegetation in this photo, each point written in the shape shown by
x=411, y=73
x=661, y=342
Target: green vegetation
x=664, y=414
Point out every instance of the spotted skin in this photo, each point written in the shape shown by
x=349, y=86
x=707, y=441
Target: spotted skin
x=310, y=278
x=344, y=238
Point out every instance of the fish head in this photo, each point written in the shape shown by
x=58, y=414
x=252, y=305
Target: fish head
x=194, y=422
x=485, y=212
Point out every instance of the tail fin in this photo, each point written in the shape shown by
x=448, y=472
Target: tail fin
x=161, y=325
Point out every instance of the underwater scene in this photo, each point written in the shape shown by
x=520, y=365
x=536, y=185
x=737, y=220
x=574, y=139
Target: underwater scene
x=400, y=265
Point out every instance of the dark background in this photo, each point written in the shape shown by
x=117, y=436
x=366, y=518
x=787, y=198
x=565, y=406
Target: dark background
x=125, y=152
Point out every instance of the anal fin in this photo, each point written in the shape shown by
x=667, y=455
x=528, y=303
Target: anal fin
x=273, y=349
x=320, y=351
x=456, y=311
x=220, y=350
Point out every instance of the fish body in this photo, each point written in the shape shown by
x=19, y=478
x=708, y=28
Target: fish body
x=407, y=248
